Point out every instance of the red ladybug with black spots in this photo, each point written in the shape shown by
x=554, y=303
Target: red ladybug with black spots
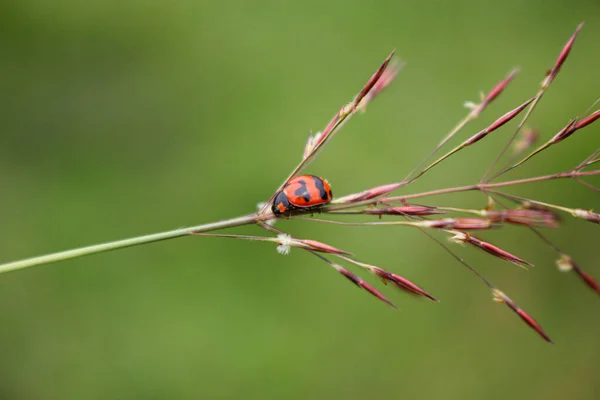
x=305, y=192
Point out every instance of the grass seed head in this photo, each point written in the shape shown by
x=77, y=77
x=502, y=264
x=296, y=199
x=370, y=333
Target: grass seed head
x=501, y=298
x=591, y=282
x=404, y=210
x=362, y=284
x=497, y=124
x=587, y=215
x=564, y=133
x=321, y=247
x=401, y=283
x=495, y=92
x=588, y=120
x=531, y=216
x=490, y=249
x=566, y=264
x=561, y=58
x=368, y=194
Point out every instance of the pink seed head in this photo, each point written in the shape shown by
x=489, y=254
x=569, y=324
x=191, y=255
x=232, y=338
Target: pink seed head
x=401, y=283
x=500, y=297
x=587, y=215
x=404, y=210
x=328, y=129
x=376, y=293
x=561, y=57
x=405, y=284
x=446, y=223
x=370, y=193
x=566, y=264
x=508, y=116
x=458, y=223
x=372, y=81
x=495, y=92
x=321, y=247
x=533, y=324
x=349, y=275
x=564, y=133
x=497, y=124
x=470, y=224
x=567, y=49
x=526, y=216
x=495, y=250
x=362, y=284
x=588, y=120
x=591, y=282
x=384, y=81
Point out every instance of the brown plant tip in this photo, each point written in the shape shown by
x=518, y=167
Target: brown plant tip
x=369, y=193
x=402, y=283
x=490, y=249
x=372, y=81
x=497, y=124
x=562, y=57
x=384, y=81
x=362, y=284
x=404, y=210
x=504, y=299
x=322, y=247
x=495, y=92
x=529, y=216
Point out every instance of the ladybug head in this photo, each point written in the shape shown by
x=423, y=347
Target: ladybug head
x=281, y=204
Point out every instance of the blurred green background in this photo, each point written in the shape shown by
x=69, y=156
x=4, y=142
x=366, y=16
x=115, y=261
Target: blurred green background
x=131, y=117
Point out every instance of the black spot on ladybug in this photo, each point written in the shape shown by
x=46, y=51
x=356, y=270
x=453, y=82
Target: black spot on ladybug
x=302, y=191
x=321, y=188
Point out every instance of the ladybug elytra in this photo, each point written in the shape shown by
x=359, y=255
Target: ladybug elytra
x=302, y=192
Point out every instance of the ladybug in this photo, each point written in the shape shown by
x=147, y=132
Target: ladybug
x=303, y=192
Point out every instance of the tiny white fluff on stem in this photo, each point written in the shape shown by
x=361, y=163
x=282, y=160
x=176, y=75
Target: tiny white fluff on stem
x=470, y=105
x=564, y=264
x=459, y=238
x=285, y=243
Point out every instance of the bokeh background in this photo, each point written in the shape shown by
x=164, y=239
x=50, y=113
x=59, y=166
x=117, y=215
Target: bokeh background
x=122, y=118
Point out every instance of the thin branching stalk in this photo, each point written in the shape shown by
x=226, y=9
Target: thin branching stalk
x=121, y=244
x=384, y=201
